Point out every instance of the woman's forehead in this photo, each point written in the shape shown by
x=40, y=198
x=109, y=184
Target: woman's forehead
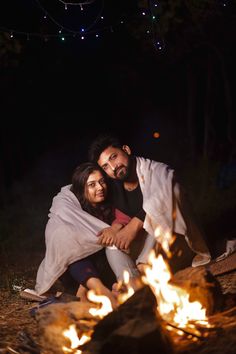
x=95, y=175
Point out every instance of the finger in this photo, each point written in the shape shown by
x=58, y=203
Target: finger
x=121, y=245
x=126, y=245
x=101, y=240
x=110, y=241
x=117, y=244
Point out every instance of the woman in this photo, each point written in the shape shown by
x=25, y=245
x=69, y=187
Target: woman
x=90, y=188
x=78, y=213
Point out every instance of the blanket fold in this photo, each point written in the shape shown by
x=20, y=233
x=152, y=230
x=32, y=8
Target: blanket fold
x=157, y=186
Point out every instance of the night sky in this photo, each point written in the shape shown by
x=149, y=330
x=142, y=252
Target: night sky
x=135, y=79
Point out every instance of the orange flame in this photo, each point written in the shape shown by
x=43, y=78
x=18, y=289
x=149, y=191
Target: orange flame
x=173, y=302
x=71, y=333
x=104, y=300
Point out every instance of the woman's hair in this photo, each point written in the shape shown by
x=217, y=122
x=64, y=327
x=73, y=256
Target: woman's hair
x=103, y=210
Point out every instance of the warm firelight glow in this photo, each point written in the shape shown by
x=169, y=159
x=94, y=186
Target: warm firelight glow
x=71, y=333
x=173, y=301
x=102, y=299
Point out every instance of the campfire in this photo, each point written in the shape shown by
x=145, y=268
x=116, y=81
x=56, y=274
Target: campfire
x=166, y=314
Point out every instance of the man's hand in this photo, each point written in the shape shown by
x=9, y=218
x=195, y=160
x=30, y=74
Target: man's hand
x=128, y=233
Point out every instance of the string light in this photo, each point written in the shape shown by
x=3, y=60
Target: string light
x=150, y=13
x=80, y=3
x=158, y=43
x=89, y=30
x=66, y=29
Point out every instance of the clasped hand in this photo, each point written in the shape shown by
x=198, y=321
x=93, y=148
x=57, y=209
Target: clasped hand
x=107, y=236
x=115, y=236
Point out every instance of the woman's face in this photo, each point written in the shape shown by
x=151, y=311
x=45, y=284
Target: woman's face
x=96, y=188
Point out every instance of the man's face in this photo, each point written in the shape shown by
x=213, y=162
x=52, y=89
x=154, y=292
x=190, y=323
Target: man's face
x=116, y=162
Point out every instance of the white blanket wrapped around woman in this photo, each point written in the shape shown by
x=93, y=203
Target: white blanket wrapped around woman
x=70, y=235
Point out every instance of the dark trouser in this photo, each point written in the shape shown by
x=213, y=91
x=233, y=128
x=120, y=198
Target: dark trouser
x=93, y=266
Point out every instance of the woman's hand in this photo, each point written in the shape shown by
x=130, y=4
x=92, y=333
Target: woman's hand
x=107, y=236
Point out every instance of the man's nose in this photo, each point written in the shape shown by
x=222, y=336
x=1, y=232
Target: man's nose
x=112, y=166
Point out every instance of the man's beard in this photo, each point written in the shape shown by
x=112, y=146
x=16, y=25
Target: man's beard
x=124, y=172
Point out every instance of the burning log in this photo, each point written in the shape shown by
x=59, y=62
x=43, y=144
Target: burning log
x=54, y=319
x=135, y=327
x=202, y=286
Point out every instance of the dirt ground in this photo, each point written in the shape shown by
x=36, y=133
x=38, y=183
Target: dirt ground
x=18, y=329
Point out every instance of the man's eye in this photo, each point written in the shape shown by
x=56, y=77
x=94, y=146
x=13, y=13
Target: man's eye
x=113, y=157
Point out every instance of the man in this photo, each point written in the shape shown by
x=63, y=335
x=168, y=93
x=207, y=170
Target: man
x=147, y=192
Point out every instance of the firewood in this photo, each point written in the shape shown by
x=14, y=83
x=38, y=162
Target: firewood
x=134, y=328
x=202, y=286
x=55, y=318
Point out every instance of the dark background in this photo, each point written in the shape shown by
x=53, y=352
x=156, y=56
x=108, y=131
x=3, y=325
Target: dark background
x=174, y=74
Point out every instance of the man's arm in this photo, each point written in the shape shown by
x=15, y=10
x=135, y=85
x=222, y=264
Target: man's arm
x=128, y=233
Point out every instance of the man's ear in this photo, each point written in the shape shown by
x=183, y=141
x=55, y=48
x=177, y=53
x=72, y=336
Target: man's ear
x=126, y=149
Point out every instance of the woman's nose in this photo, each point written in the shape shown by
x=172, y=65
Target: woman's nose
x=100, y=185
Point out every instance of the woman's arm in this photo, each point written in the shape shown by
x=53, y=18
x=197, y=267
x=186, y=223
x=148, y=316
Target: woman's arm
x=107, y=236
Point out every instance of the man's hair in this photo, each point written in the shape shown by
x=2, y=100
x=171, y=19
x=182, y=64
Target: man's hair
x=101, y=143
